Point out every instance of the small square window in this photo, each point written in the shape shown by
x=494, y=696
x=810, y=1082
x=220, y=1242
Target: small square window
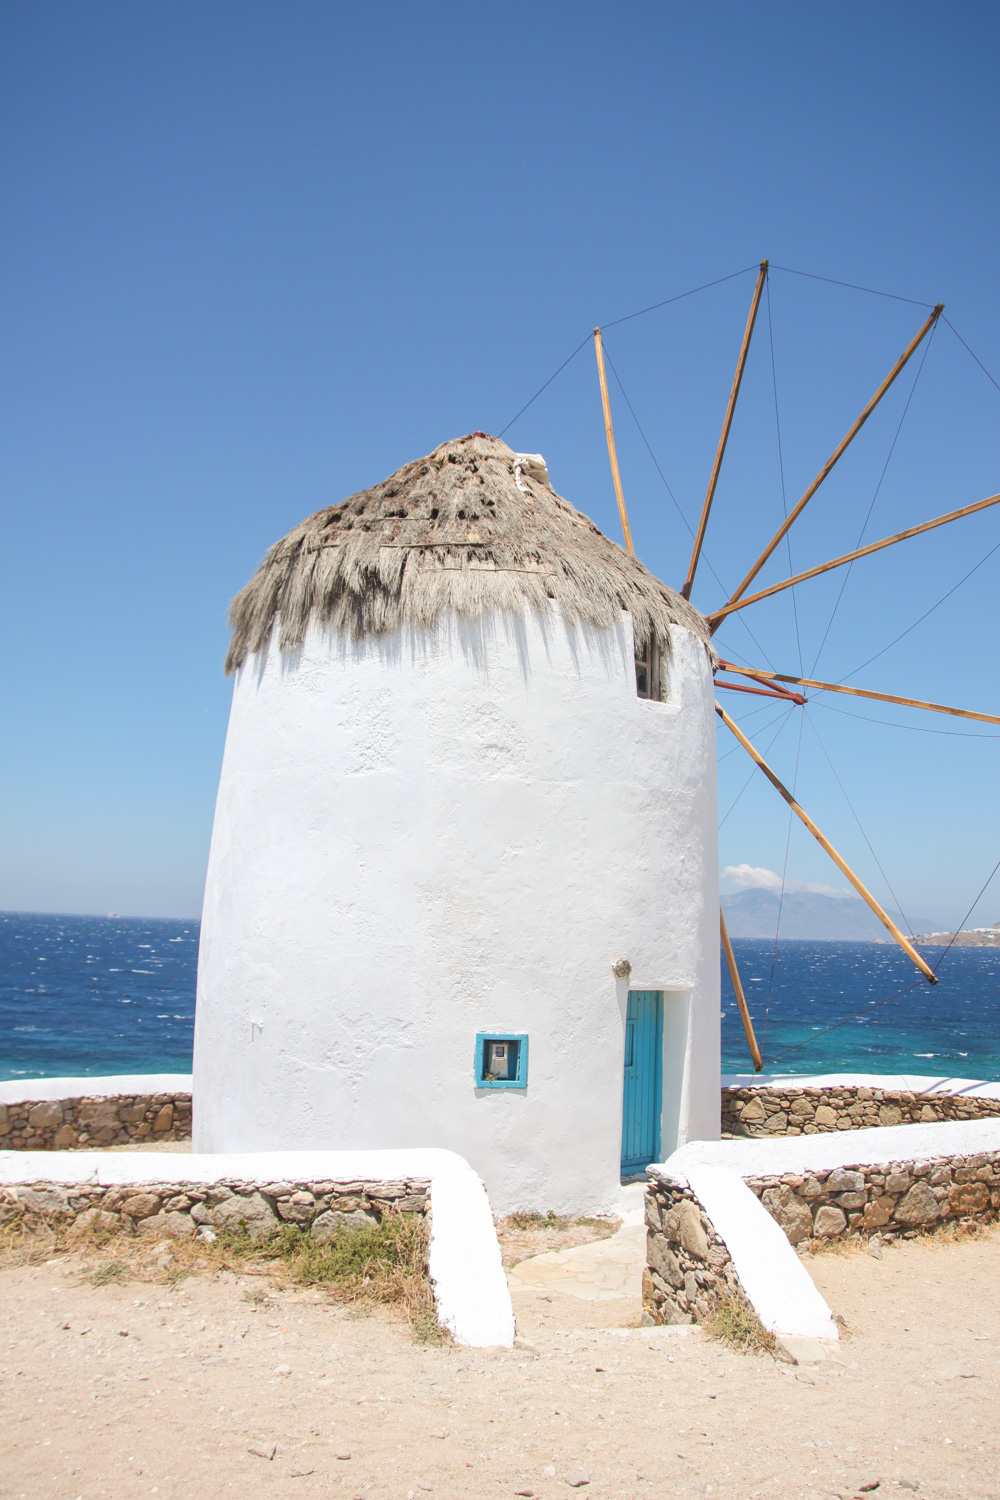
x=501, y=1060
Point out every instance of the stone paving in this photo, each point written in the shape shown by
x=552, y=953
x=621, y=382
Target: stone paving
x=602, y=1271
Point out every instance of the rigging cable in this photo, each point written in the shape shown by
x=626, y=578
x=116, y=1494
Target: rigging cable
x=680, y=296
x=753, y=772
x=781, y=469
x=781, y=897
x=923, y=617
x=541, y=388
x=673, y=497
x=959, y=734
x=846, y=578
x=666, y=303
x=972, y=352
x=892, y=893
x=851, y=285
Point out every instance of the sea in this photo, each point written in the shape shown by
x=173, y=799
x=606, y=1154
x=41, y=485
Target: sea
x=91, y=996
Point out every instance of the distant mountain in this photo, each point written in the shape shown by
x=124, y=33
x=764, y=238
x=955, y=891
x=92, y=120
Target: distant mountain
x=806, y=914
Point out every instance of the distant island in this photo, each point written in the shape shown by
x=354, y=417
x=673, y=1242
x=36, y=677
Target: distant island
x=972, y=937
x=808, y=915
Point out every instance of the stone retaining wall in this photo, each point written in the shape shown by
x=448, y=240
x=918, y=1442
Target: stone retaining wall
x=771, y=1111
x=94, y=1120
x=688, y=1268
x=182, y=1210
x=900, y=1198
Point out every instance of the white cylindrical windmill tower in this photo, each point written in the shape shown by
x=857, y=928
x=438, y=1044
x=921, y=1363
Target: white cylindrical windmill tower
x=463, y=889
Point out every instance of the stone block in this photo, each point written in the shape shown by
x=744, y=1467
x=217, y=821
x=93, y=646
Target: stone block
x=851, y=1201
x=753, y=1113
x=94, y=1221
x=842, y=1180
x=164, y=1120
x=801, y=1108
x=252, y=1214
x=164, y=1226
x=102, y=1115
x=141, y=1205
x=692, y=1236
x=969, y=1198
x=897, y=1182
x=918, y=1207
x=829, y=1221
x=890, y=1114
x=825, y=1117
x=810, y=1189
x=50, y=1201
x=878, y=1213
x=332, y=1222
x=64, y=1138
x=661, y=1259
x=45, y=1116
x=788, y=1210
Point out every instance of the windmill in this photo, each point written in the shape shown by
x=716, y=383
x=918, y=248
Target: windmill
x=781, y=685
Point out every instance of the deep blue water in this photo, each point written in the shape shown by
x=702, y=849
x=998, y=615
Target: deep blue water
x=948, y=1029
x=95, y=995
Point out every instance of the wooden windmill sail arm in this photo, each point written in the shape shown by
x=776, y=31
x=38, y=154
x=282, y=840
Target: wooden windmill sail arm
x=839, y=687
x=724, y=438
x=838, y=562
x=609, y=430
x=838, y=452
x=821, y=839
x=741, y=1000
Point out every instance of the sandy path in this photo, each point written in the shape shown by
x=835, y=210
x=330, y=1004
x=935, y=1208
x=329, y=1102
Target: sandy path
x=128, y=1390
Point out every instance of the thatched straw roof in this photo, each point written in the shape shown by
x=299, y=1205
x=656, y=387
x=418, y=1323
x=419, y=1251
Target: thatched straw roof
x=471, y=527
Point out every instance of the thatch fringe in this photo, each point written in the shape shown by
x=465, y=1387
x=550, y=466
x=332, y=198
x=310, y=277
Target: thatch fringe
x=469, y=529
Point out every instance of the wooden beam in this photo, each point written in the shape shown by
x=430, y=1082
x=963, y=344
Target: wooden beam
x=726, y=424
x=741, y=1001
x=821, y=839
x=741, y=687
x=838, y=562
x=839, y=687
x=599, y=349
x=838, y=452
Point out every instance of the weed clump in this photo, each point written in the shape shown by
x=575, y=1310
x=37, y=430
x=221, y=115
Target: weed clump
x=734, y=1322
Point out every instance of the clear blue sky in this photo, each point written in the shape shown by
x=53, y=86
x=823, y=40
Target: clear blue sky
x=255, y=256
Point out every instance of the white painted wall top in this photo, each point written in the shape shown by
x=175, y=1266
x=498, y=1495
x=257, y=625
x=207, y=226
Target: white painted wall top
x=913, y=1083
x=466, y=1270
x=755, y=1157
x=25, y=1090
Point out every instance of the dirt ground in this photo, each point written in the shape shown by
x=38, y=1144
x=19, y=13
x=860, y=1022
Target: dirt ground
x=217, y=1384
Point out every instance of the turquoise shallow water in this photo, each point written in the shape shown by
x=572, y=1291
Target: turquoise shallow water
x=91, y=995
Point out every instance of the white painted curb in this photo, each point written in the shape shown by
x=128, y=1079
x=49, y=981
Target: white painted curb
x=912, y=1083
x=36, y=1090
x=772, y=1275
x=756, y=1156
x=466, y=1270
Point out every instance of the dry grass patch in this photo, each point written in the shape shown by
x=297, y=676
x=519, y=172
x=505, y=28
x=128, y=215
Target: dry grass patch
x=382, y=1264
x=734, y=1322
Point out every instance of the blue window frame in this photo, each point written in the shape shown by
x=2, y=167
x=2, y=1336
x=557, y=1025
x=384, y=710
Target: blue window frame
x=501, y=1060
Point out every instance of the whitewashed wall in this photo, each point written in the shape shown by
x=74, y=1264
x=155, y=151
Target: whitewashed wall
x=433, y=834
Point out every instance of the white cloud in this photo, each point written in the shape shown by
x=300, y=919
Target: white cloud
x=756, y=878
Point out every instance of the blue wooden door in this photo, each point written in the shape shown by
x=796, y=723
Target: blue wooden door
x=643, y=1078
